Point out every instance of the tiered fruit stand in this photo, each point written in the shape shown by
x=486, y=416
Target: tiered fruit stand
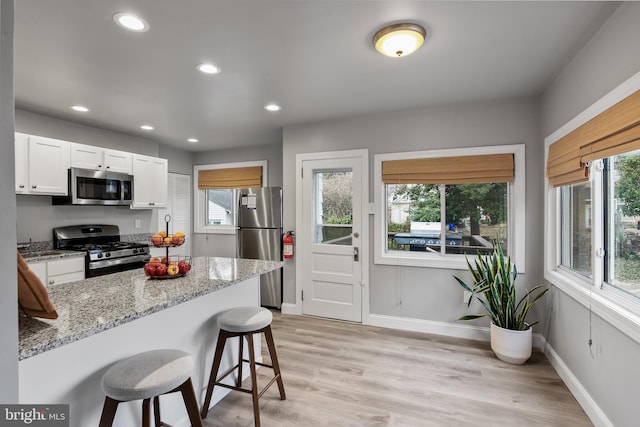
x=166, y=267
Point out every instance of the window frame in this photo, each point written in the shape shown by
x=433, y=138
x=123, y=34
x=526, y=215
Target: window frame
x=200, y=199
x=614, y=306
x=516, y=207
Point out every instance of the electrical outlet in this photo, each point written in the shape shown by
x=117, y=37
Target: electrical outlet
x=138, y=223
x=466, y=295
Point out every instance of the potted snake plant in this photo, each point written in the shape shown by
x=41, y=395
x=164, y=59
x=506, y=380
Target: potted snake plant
x=494, y=287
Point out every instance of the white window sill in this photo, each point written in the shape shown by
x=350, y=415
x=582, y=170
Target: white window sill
x=606, y=303
x=418, y=259
x=220, y=229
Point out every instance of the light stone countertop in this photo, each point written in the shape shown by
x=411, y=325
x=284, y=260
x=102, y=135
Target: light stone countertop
x=93, y=305
x=49, y=255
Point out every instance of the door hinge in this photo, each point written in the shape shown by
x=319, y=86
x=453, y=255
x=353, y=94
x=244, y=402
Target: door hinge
x=302, y=292
x=301, y=173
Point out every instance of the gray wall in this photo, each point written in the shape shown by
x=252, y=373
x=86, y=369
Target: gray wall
x=180, y=161
x=224, y=245
x=8, y=284
x=609, y=371
x=424, y=293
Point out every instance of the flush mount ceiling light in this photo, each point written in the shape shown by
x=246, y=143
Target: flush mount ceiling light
x=272, y=107
x=146, y=127
x=208, y=68
x=131, y=22
x=192, y=140
x=399, y=39
x=79, y=108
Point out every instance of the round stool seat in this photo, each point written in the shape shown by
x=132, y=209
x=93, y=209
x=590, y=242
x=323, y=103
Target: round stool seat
x=147, y=374
x=245, y=319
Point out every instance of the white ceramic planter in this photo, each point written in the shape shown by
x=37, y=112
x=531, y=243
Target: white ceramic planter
x=511, y=346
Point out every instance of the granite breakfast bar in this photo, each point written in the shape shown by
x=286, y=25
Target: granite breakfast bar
x=104, y=319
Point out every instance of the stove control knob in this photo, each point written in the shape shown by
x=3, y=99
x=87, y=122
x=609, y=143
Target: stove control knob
x=108, y=254
x=99, y=255
x=135, y=251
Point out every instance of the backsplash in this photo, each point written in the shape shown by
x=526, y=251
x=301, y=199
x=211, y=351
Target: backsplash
x=37, y=217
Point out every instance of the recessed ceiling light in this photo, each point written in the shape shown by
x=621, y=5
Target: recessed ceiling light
x=272, y=107
x=146, y=127
x=79, y=108
x=192, y=140
x=131, y=22
x=399, y=40
x=208, y=68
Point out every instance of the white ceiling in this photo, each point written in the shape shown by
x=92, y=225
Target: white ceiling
x=315, y=58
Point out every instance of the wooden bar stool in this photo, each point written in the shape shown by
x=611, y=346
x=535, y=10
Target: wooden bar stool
x=148, y=375
x=243, y=322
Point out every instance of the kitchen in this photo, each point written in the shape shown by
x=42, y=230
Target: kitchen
x=487, y=121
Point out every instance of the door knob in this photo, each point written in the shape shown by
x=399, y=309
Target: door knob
x=356, y=234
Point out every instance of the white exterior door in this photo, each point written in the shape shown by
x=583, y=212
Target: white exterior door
x=331, y=238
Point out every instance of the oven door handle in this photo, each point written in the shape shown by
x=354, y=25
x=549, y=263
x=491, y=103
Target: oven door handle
x=116, y=261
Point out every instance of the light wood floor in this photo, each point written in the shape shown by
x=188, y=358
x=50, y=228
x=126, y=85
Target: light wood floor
x=343, y=374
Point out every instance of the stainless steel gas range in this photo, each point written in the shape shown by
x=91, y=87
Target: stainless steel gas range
x=106, y=253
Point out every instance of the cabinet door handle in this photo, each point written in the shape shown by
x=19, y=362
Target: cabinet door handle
x=34, y=186
x=108, y=167
x=99, y=166
x=51, y=282
x=21, y=185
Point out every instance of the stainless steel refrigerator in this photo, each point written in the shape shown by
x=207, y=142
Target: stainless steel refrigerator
x=260, y=236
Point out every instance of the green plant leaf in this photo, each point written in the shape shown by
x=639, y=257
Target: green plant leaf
x=493, y=285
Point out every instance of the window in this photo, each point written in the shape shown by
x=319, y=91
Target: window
x=576, y=228
x=214, y=193
x=622, y=222
x=220, y=208
x=592, y=248
x=473, y=197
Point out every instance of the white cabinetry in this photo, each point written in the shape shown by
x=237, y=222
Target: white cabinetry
x=44, y=162
x=150, y=179
x=100, y=159
x=22, y=175
x=40, y=269
x=59, y=271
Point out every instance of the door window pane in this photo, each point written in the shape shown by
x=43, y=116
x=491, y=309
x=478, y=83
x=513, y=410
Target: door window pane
x=623, y=216
x=575, y=214
x=220, y=207
x=333, y=207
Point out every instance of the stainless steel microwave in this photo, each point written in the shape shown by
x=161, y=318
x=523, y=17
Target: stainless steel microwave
x=90, y=187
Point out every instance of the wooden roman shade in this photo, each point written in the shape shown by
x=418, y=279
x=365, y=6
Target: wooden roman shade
x=615, y=131
x=230, y=178
x=449, y=170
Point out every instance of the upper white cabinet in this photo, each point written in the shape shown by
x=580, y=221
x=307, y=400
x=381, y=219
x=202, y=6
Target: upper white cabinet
x=150, y=182
x=41, y=165
x=100, y=159
x=22, y=175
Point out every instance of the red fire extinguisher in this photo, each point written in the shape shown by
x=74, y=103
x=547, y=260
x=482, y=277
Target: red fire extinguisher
x=287, y=245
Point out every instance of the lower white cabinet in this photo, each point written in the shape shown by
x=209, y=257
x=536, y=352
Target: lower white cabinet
x=57, y=272
x=40, y=269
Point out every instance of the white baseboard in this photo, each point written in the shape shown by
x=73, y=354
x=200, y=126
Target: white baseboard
x=288, y=308
x=478, y=333
x=591, y=408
